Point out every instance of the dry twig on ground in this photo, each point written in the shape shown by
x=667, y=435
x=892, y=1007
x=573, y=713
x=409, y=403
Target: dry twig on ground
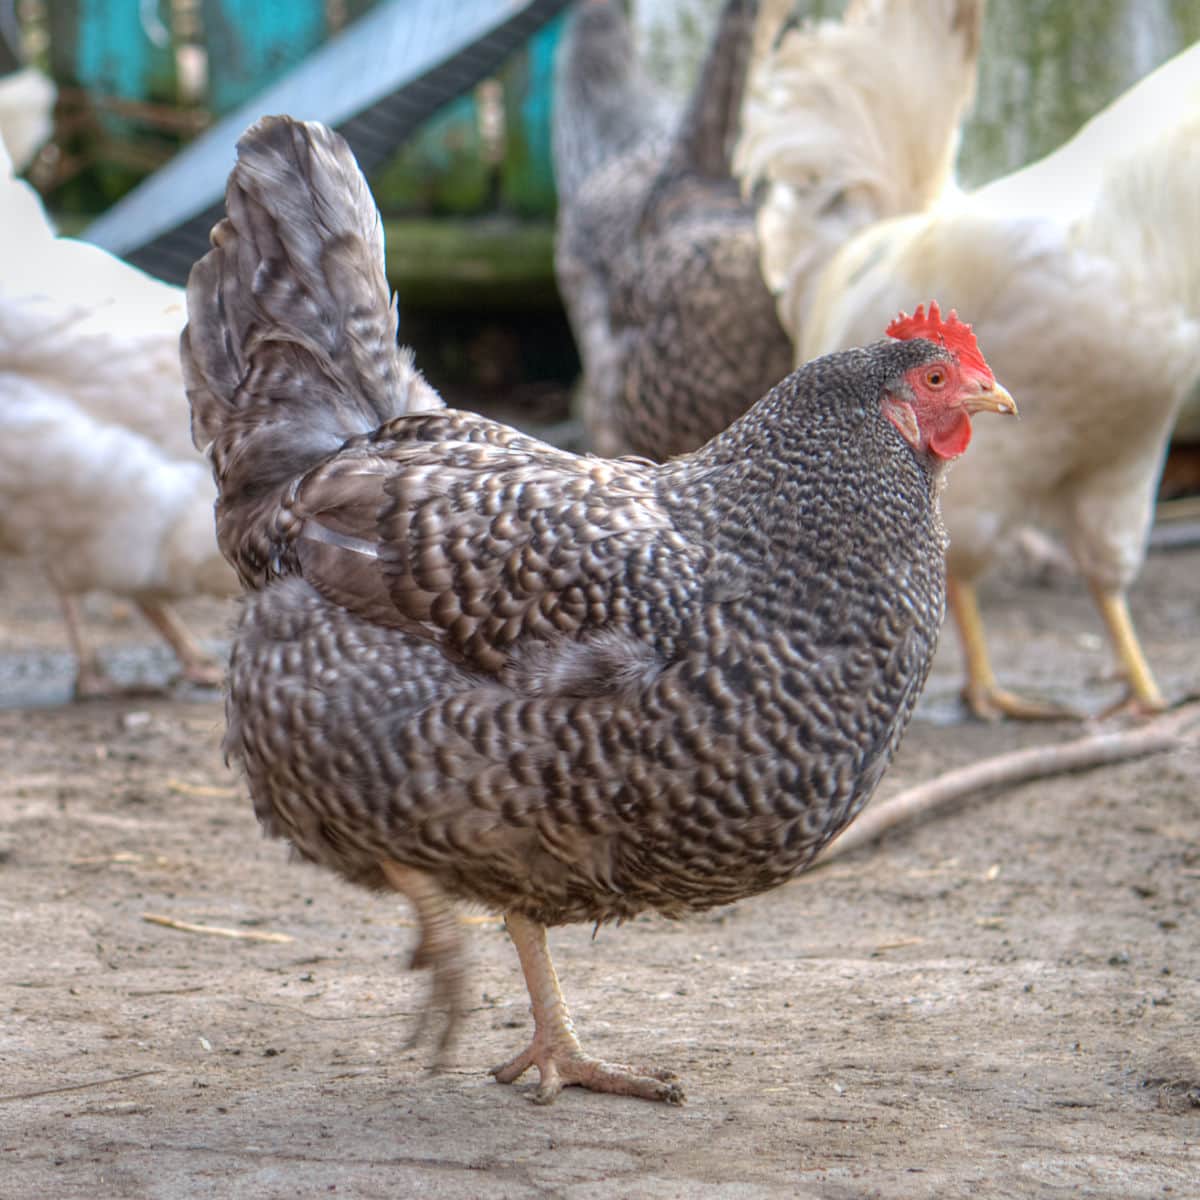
x=245, y=935
x=1020, y=766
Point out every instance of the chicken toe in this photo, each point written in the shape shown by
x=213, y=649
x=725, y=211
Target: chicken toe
x=198, y=666
x=440, y=950
x=983, y=695
x=990, y=702
x=555, y=1050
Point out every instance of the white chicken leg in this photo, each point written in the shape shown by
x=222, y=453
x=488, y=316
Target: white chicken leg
x=1143, y=697
x=92, y=682
x=198, y=665
x=988, y=700
x=555, y=1050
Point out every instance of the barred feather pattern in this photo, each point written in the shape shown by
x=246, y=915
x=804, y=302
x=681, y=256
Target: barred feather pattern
x=657, y=257
x=565, y=686
x=291, y=344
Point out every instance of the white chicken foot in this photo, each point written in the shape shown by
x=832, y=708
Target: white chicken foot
x=440, y=949
x=555, y=1050
x=983, y=695
x=92, y=681
x=198, y=665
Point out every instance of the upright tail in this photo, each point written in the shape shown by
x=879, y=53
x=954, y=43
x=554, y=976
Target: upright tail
x=849, y=123
x=604, y=105
x=290, y=346
x=703, y=142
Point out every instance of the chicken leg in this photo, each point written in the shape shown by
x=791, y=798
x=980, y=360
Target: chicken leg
x=1143, y=697
x=92, y=682
x=984, y=696
x=440, y=949
x=555, y=1050
x=199, y=667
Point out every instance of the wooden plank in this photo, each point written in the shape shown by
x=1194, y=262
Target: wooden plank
x=480, y=263
x=377, y=82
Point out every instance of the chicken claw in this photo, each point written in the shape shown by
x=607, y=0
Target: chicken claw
x=991, y=702
x=440, y=949
x=555, y=1050
x=198, y=667
x=985, y=698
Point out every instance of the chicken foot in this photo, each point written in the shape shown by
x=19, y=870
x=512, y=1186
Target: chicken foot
x=440, y=949
x=92, y=682
x=555, y=1050
x=1142, y=697
x=199, y=667
x=984, y=696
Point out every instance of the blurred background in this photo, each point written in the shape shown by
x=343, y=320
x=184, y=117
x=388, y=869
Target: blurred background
x=467, y=189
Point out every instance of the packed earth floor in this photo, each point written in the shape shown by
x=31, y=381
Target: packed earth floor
x=1000, y=1000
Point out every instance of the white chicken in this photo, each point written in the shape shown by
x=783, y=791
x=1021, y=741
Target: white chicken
x=99, y=482
x=1081, y=274
x=26, y=113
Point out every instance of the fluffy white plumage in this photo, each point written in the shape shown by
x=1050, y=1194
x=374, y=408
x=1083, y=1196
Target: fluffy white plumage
x=1081, y=277
x=850, y=122
x=26, y=113
x=99, y=482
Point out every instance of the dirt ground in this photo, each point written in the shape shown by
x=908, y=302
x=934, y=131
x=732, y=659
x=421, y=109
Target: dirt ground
x=1001, y=1001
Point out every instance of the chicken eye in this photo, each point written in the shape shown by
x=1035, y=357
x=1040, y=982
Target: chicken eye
x=935, y=377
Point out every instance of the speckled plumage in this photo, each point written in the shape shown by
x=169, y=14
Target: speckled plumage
x=656, y=256
x=565, y=687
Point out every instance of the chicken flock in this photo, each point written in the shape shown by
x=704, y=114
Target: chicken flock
x=469, y=666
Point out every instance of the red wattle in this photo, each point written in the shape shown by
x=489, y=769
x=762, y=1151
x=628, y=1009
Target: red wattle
x=950, y=441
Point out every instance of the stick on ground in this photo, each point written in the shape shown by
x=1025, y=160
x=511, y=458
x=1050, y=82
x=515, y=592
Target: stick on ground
x=1007, y=770
x=245, y=935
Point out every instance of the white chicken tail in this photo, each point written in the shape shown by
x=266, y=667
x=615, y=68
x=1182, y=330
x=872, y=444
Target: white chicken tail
x=290, y=346
x=848, y=123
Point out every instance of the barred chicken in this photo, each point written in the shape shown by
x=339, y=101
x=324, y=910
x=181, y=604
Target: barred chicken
x=470, y=666
x=656, y=255
x=1082, y=275
x=99, y=485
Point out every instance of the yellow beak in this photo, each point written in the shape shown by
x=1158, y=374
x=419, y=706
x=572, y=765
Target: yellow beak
x=990, y=398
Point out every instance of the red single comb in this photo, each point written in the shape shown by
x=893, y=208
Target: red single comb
x=952, y=333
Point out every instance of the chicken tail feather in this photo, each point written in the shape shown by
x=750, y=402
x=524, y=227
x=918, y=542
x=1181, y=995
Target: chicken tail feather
x=847, y=123
x=290, y=346
x=704, y=139
x=605, y=106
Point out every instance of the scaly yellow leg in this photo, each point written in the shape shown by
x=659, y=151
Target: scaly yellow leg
x=555, y=1050
x=198, y=665
x=1143, y=695
x=986, y=699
